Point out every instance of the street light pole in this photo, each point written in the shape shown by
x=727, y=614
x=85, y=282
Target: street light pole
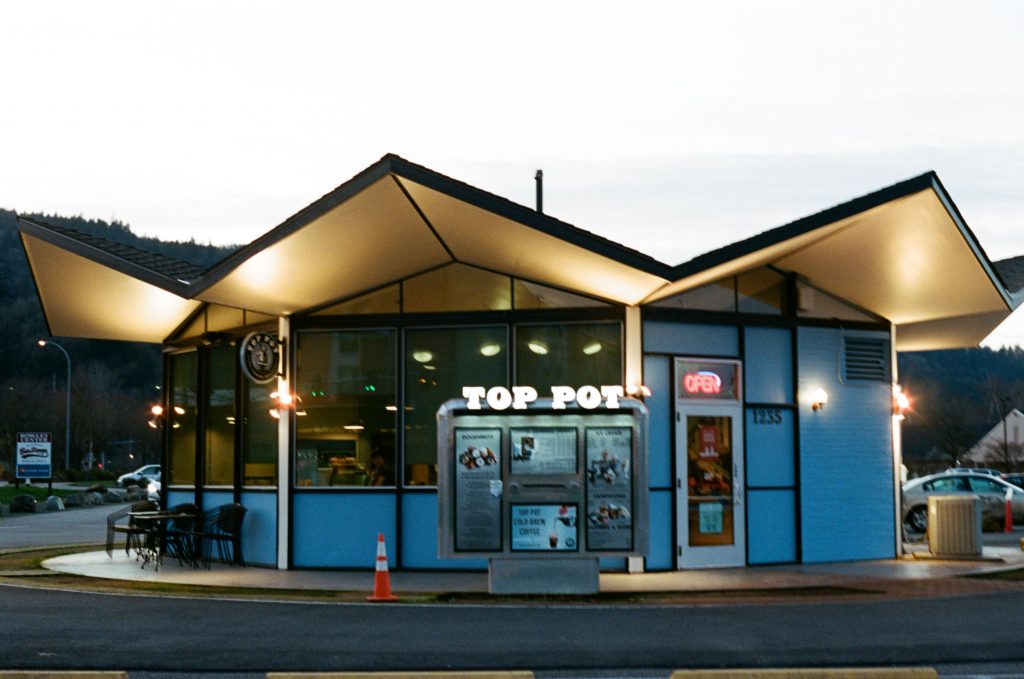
x=67, y=406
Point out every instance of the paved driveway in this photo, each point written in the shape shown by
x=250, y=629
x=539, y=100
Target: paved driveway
x=77, y=526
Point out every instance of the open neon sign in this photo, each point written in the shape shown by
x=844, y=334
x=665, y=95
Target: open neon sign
x=702, y=382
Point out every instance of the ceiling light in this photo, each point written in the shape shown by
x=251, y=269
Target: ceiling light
x=430, y=367
x=537, y=347
x=492, y=349
x=592, y=348
x=422, y=356
x=355, y=426
x=179, y=410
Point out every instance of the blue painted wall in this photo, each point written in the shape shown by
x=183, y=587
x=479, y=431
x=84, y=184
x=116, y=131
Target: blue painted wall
x=768, y=365
x=771, y=526
x=662, y=541
x=846, y=460
x=689, y=339
x=419, y=535
x=259, y=528
x=339, y=530
x=658, y=377
x=770, y=458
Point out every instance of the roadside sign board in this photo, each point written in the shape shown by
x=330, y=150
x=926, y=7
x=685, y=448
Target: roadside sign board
x=33, y=458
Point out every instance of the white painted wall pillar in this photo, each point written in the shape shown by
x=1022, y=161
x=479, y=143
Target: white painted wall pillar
x=284, y=435
x=897, y=448
x=634, y=351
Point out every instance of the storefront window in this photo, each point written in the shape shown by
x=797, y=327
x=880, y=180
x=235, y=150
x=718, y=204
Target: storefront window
x=345, y=420
x=259, y=436
x=438, y=363
x=572, y=354
x=181, y=418
x=220, y=416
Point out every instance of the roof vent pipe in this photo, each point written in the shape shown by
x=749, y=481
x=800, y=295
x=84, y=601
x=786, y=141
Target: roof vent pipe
x=539, y=177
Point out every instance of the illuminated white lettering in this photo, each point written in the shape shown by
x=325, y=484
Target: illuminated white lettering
x=560, y=396
x=473, y=396
x=612, y=393
x=499, y=398
x=522, y=397
x=588, y=397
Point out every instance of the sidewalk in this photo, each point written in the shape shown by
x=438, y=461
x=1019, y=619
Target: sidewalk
x=907, y=577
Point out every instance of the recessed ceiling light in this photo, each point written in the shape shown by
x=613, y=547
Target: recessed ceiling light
x=537, y=347
x=491, y=349
x=592, y=348
x=422, y=356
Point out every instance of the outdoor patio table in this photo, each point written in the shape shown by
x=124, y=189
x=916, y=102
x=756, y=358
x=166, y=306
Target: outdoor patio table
x=155, y=523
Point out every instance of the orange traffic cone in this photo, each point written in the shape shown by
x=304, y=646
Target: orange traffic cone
x=382, y=579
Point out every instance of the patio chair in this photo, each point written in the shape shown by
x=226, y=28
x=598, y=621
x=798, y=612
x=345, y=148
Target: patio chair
x=180, y=536
x=134, y=532
x=222, y=526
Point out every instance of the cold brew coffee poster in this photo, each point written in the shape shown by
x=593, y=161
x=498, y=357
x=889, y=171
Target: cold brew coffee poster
x=544, y=528
x=543, y=451
x=609, y=490
x=478, y=490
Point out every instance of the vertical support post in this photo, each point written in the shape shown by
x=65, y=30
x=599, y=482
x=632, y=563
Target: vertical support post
x=897, y=446
x=284, y=426
x=634, y=376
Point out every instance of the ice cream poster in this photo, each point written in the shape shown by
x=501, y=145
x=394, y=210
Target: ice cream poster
x=609, y=488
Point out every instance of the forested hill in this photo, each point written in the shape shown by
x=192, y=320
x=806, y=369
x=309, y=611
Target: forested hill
x=21, y=323
x=110, y=379
x=958, y=396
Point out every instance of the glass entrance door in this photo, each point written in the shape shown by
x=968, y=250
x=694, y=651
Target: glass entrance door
x=709, y=467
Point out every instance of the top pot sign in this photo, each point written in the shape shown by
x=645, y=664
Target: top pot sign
x=519, y=398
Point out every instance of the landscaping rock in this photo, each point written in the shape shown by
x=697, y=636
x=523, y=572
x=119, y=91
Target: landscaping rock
x=54, y=504
x=76, y=500
x=23, y=503
x=96, y=489
x=90, y=498
x=136, y=493
x=111, y=498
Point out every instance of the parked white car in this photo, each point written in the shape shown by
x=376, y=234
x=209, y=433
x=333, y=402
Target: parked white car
x=150, y=472
x=991, y=490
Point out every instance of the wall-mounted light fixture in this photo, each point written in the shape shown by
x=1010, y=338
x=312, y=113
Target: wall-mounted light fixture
x=283, y=400
x=819, y=397
x=900, y=402
x=157, y=420
x=638, y=390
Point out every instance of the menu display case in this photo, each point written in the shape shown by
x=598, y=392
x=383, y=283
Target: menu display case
x=542, y=483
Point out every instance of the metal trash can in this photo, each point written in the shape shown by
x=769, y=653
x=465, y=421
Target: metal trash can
x=954, y=525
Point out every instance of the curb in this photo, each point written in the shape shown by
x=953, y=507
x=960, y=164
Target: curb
x=399, y=675
x=820, y=673
x=34, y=674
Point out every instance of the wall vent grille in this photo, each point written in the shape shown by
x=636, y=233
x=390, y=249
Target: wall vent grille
x=866, y=359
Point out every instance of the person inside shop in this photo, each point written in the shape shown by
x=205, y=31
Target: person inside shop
x=380, y=471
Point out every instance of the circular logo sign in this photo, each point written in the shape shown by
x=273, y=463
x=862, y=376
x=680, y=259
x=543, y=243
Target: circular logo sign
x=260, y=354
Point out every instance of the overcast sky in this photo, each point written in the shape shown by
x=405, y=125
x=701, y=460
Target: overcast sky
x=673, y=128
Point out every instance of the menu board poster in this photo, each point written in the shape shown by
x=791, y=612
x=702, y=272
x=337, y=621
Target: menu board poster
x=609, y=453
x=477, y=489
x=544, y=528
x=548, y=450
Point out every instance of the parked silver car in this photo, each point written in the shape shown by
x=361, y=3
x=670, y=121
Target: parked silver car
x=149, y=472
x=990, y=489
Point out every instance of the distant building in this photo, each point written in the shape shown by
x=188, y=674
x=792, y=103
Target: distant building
x=991, y=448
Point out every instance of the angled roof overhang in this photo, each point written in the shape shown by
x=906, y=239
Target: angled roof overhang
x=397, y=219
x=903, y=253
x=91, y=288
